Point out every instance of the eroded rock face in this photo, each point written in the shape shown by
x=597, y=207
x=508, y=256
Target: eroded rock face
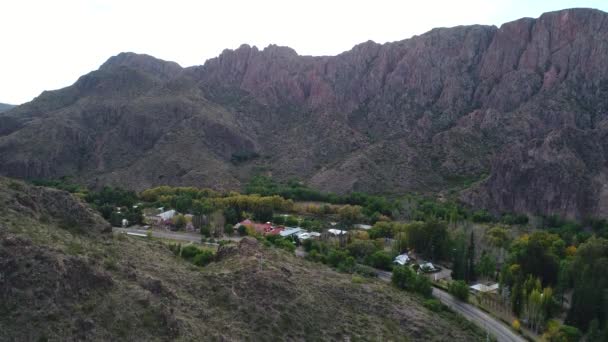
x=48, y=205
x=415, y=115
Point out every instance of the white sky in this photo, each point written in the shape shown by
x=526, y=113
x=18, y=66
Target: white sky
x=48, y=44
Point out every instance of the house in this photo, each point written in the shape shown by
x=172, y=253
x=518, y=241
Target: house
x=308, y=235
x=246, y=222
x=290, y=231
x=275, y=231
x=402, y=259
x=336, y=232
x=362, y=226
x=428, y=267
x=167, y=215
x=484, y=288
x=260, y=228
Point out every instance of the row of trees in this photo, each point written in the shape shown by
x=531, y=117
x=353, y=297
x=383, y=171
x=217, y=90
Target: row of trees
x=429, y=239
x=541, y=267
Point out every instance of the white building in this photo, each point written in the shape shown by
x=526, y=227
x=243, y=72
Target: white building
x=167, y=215
x=291, y=231
x=427, y=267
x=402, y=259
x=336, y=232
x=362, y=226
x=308, y=235
x=483, y=288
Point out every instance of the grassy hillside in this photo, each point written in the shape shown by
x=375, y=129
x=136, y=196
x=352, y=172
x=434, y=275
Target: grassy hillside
x=63, y=276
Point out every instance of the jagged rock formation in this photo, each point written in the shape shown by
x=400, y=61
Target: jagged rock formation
x=518, y=111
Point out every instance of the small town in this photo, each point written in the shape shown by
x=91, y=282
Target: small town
x=372, y=250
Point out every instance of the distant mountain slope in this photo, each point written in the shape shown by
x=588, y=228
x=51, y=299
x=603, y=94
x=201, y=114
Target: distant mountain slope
x=69, y=280
x=518, y=112
x=4, y=107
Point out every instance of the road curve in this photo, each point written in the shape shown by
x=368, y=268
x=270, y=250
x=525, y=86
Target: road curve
x=488, y=323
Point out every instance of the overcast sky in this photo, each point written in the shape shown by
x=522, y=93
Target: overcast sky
x=48, y=44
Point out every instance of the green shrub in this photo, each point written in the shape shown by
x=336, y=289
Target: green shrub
x=175, y=248
x=278, y=220
x=205, y=230
x=381, y=259
x=315, y=256
x=228, y=229
x=203, y=258
x=433, y=305
x=459, y=289
x=365, y=271
x=336, y=256
x=291, y=221
x=423, y=286
x=281, y=242
x=482, y=216
x=189, y=252
x=405, y=279
x=347, y=265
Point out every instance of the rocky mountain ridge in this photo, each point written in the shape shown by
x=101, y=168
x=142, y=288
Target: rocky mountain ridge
x=4, y=107
x=511, y=118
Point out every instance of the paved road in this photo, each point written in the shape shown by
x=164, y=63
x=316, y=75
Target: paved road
x=488, y=323
x=180, y=236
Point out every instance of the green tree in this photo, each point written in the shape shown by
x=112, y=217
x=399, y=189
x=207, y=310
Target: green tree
x=291, y=221
x=470, y=275
x=430, y=239
x=205, y=230
x=517, y=298
x=183, y=203
x=590, y=277
x=423, y=286
x=459, y=289
x=381, y=259
x=498, y=238
x=189, y=252
x=535, y=255
x=179, y=221
x=203, y=257
x=361, y=249
x=403, y=277
x=459, y=262
x=486, y=266
x=228, y=229
x=349, y=214
x=217, y=222
x=263, y=213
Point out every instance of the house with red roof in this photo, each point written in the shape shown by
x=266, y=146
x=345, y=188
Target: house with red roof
x=261, y=228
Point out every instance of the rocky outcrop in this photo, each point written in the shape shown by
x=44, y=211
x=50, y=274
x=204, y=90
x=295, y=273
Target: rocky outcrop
x=430, y=113
x=50, y=205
